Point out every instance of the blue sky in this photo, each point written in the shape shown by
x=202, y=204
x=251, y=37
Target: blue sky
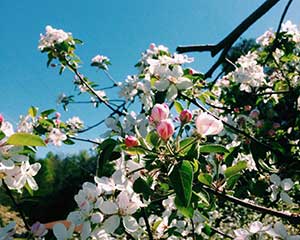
x=118, y=29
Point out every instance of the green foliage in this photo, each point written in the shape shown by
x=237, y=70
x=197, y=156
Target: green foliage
x=25, y=139
x=182, y=179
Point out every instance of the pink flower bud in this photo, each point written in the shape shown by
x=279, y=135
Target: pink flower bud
x=165, y=129
x=131, y=141
x=247, y=108
x=185, y=116
x=208, y=125
x=159, y=112
x=254, y=113
x=152, y=46
x=1, y=119
x=57, y=115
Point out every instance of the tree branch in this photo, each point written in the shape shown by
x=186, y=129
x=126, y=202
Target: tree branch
x=293, y=218
x=231, y=38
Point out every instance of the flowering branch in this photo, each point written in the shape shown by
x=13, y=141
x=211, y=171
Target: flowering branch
x=293, y=218
x=92, y=90
x=237, y=130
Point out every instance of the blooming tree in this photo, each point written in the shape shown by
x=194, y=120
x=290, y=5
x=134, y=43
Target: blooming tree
x=197, y=154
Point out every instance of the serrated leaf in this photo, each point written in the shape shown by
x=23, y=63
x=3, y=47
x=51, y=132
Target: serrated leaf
x=25, y=139
x=213, y=148
x=178, y=107
x=205, y=178
x=182, y=178
x=241, y=165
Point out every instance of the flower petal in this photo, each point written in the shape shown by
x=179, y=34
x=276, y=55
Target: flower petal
x=111, y=224
x=130, y=224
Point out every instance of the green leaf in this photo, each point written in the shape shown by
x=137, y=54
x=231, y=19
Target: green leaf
x=213, y=148
x=2, y=135
x=231, y=181
x=141, y=186
x=182, y=178
x=231, y=155
x=32, y=111
x=241, y=165
x=107, y=147
x=152, y=138
x=188, y=211
x=189, y=148
x=135, y=150
x=46, y=113
x=203, y=196
x=25, y=139
x=205, y=178
x=68, y=142
x=178, y=107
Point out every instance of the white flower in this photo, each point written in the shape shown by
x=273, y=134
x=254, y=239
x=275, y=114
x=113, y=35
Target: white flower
x=172, y=80
x=25, y=124
x=291, y=29
x=281, y=187
x=52, y=37
x=100, y=61
x=56, y=137
x=280, y=231
x=62, y=233
x=74, y=124
x=249, y=73
x=17, y=177
x=116, y=182
x=265, y=39
x=126, y=204
x=255, y=228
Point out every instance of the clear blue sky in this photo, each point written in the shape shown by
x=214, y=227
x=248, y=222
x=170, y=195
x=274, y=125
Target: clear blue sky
x=118, y=29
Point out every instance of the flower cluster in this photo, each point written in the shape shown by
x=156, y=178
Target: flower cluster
x=53, y=36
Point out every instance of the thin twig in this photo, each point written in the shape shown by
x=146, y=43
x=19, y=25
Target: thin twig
x=221, y=233
x=145, y=216
x=85, y=140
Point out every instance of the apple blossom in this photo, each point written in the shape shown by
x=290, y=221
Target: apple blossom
x=56, y=136
x=52, y=37
x=208, y=125
x=131, y=141
x=159, y=112
x=165, y=129
x=185, y=116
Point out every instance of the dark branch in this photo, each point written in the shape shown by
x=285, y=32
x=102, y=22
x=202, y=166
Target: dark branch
x=288, y=216
x=230, y=39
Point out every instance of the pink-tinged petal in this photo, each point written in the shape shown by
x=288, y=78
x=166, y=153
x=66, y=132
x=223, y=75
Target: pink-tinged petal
x=287, y=184
x=165, y=129
x=208, y=125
